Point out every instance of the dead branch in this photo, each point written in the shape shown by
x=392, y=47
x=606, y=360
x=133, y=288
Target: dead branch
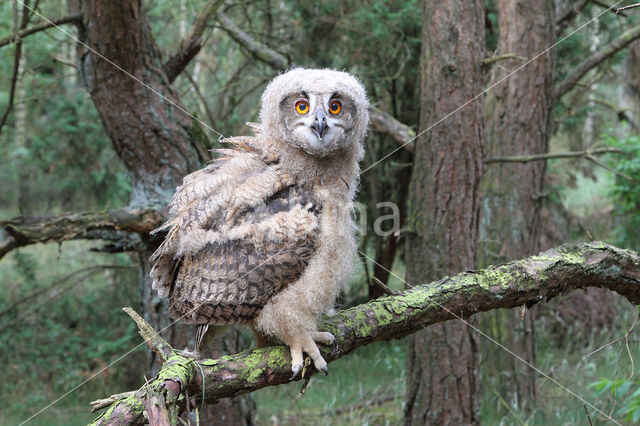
x=192, y=43
x=71, y=19
x=504, y=57
x=611, y=169
x=631, y=6
x=258, y=50
x=551, y=155
x=22, y=231
x=523, y=282
x=384, y=123
x=619, y=43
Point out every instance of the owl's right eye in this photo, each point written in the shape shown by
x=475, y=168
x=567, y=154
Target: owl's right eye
x=302, y=107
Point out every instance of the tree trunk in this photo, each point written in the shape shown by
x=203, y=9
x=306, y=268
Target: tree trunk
x=156, y=140
x=518, y=123
x=442, y=387
x=630, y=90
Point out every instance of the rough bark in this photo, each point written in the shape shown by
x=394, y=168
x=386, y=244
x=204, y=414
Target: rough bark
x=518, y=123
x=523, y=282
x=151, y=135
x=156, y=139
x=443, y=208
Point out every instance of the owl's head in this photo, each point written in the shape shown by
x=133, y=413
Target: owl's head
x=320, y=111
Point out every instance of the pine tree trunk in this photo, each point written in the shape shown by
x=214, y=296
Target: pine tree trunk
x=152, y=136
x=442, y=382
x=518, y=123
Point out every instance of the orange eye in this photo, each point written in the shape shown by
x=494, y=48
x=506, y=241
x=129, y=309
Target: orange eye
x=335, y=107
x=302, y=107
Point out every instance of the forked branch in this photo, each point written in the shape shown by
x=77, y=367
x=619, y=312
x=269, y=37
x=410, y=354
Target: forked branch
x=523, y=282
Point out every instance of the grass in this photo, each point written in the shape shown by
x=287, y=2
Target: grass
x=365, y=387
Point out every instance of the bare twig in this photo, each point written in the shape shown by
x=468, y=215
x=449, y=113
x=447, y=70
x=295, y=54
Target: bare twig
x=552, y=155
x=71, y=19
x=385, y=289
x=88, y=270
x=631, y=6
x=588, y=416
x=611, y=169
x=207, y=110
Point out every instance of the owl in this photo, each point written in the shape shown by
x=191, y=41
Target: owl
x=264, y=234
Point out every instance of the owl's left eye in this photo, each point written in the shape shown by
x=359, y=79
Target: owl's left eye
x=302, y=107
x=335, y=107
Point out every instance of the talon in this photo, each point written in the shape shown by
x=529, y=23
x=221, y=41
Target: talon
x=296, y=372
x=325, y=370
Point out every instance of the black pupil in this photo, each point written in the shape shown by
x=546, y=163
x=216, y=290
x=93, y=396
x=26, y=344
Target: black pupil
x=334, y=107
x=303, y=107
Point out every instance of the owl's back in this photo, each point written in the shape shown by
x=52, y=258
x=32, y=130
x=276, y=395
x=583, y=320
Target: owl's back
x=240, y=232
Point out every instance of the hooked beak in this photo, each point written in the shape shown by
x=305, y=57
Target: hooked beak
x=319, y=125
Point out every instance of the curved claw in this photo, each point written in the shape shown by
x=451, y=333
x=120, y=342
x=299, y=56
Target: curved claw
x=296, y=372
x=325, y=370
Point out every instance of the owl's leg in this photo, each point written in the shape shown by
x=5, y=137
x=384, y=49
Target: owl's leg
x=262, y=339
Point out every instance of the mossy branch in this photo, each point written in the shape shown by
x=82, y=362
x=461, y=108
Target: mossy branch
x=523, y=282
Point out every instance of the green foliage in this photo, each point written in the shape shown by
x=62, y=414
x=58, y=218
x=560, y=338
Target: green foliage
x=625, y=191
x=67, y=334
x=619, y=390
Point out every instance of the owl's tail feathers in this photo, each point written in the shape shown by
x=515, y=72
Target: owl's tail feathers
x=202, y=330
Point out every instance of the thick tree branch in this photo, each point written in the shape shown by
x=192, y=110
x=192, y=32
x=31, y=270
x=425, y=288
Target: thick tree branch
x=551, y=155
x=596, y=59
x=192, y=43
x=523, y=282
x=22, y=231
x=384, y=123
x=258, y=50
x=572, y=10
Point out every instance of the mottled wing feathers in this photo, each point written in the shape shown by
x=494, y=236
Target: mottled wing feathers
x=239, y=232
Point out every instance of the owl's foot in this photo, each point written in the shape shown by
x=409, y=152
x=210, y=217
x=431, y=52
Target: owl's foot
x=307, y=344
x=190, y=354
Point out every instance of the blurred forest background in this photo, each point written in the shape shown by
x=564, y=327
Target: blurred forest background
x=79, y=138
